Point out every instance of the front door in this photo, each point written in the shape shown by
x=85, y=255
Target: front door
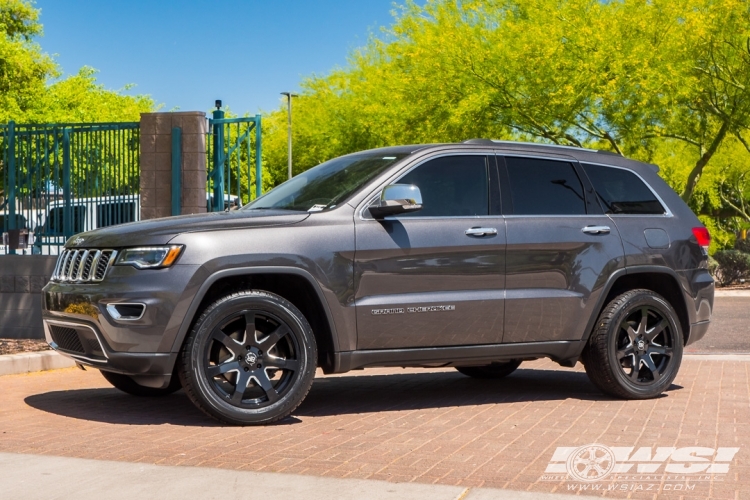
x=561, y=249
x=434, y=277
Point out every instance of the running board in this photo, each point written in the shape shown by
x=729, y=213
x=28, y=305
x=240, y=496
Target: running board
x=564, y=352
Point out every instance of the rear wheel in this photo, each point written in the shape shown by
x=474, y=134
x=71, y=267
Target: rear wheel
x=130, y=386
x=250, y=359
x=494, y=370
x=636, y=349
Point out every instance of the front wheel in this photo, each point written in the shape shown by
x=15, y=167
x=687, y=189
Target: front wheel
x=636, y=349
x=250, y=359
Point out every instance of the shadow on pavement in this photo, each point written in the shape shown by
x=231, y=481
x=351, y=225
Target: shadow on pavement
x=334, y=396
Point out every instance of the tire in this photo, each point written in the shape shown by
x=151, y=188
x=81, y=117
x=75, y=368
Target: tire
x=494, y=370
x=244, y=377
x=130, y=386
x=624, y=340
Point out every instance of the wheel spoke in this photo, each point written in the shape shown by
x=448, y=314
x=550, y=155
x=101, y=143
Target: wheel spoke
x=625, y=352
x=273, y=338
x=284, y=364
x=239, y=390
x=234, y=346
x=216, y=370
x=651, y=366
x=266, y=385
x=250, y=328
x=657, y=349
x=644, y=321
x=629, y=329
x=636, y=368
x=655, y=331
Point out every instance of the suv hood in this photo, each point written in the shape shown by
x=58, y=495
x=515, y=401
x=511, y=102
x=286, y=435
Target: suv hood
x=161, y=231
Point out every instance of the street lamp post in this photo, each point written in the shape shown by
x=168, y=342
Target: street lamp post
x=289, y=96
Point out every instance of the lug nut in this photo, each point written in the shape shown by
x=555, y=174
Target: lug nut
x=247, y=369
x=259, y=365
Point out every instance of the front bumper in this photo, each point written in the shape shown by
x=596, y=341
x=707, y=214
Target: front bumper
x=151, y=369
x=78, y=323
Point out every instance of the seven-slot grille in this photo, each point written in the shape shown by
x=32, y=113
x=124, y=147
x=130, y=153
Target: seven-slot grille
x=83, y=265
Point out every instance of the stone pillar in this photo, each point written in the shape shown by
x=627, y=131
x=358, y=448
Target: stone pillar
x=156, y=163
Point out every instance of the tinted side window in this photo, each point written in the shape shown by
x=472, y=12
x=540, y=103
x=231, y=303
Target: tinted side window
x=451, y=186
x=544, y=187
x=622, y=192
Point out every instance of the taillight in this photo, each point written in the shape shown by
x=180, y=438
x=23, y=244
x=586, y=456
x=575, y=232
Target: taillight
x=704, y=238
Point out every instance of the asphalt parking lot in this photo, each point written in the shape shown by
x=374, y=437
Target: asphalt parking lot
x=422, y=426
x=730, y=327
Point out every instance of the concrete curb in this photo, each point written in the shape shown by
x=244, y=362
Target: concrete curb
x=41, y=477
x=12, y=364
x=731, y=293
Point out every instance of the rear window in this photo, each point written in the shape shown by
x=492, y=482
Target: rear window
x=622, y=192
x=544, y=187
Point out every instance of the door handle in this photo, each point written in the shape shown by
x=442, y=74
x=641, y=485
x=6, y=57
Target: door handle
x=596, y=230
x=481, y=231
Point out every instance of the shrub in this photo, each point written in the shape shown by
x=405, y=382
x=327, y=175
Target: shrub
x=733, y=266
x=742, y=245
x=713, y=266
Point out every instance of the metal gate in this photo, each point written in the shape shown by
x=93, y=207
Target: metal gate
x=62, y=179
x=233, y=149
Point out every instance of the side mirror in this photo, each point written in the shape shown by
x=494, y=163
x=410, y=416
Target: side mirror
x=397, y=199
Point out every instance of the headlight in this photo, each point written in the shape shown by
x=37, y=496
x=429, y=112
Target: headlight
x=149, y=257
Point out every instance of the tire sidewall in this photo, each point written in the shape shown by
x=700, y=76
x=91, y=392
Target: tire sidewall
x=264, y=302
x=654, y=301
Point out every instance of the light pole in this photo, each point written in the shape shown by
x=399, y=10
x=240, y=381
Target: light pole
x=289, y=96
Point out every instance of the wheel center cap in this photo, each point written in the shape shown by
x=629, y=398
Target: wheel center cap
x=641, y=345
x=251, y=358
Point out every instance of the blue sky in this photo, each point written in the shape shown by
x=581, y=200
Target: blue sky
x=187, y=53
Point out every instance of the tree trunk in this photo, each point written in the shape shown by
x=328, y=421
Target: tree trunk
x=695, y=173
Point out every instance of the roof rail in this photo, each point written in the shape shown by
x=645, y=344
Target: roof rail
x=494, y=142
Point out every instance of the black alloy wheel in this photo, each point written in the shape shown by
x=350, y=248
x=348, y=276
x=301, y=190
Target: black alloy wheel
x=636, y=351
x=250, y=359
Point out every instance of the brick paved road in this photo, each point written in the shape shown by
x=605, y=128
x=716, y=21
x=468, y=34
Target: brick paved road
x=432, y=426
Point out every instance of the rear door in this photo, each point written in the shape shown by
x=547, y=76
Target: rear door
x=434, y=277
x=561, y=248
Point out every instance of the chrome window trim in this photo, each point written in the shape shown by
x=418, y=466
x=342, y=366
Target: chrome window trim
x=68, y=324
x=401, y=173
x=667, y=211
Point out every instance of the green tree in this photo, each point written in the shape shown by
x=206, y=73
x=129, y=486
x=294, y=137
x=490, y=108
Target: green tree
x=24, y=69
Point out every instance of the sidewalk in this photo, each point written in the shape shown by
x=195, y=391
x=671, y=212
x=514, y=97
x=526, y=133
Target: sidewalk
x=31, y=477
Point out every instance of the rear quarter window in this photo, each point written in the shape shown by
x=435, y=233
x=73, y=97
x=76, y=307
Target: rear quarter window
x=622, y=192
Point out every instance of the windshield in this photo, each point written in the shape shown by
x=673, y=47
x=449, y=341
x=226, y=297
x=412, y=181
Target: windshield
x=325, y=186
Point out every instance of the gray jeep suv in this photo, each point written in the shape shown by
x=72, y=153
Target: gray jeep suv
x=477, y=255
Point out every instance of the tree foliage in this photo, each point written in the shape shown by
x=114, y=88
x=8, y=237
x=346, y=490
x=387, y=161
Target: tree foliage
x=663, y=81
x=31, y=86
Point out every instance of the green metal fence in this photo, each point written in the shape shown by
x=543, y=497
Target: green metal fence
x=233, y=146
x=62, y=179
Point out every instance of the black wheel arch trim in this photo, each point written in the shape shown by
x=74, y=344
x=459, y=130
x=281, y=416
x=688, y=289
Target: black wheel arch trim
x=245, y=271
x=631, y=271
